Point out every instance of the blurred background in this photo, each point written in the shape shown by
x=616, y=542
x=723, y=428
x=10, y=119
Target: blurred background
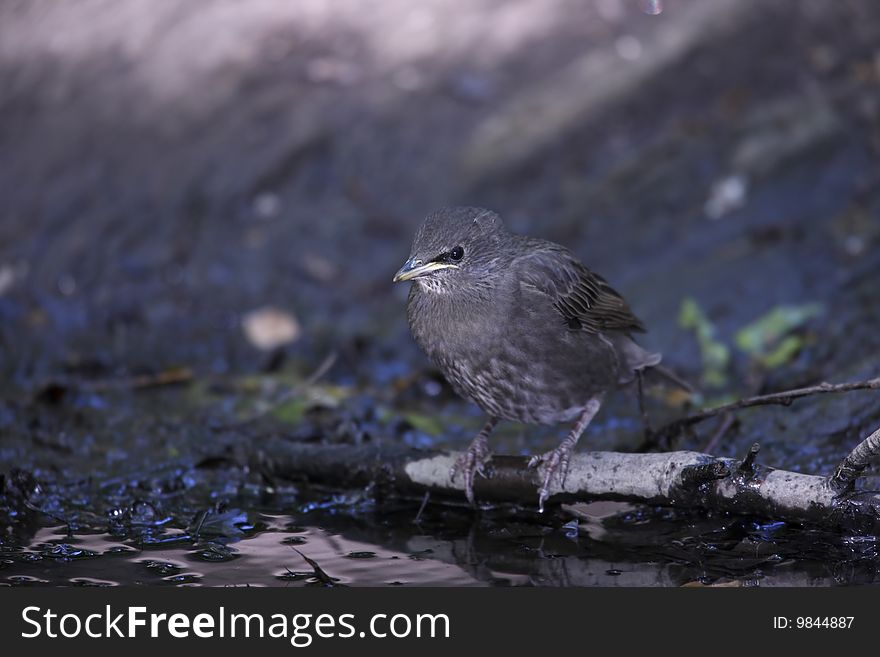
x=221, y=192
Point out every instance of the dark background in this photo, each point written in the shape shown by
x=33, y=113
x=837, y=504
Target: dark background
x=167, y=168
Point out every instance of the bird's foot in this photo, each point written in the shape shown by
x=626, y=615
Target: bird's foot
x=556, y=463
x=471, y=463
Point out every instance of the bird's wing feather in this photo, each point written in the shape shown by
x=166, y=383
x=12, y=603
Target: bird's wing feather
x=581, y=297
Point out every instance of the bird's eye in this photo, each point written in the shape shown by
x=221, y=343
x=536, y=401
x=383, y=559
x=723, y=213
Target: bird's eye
x=456, y=254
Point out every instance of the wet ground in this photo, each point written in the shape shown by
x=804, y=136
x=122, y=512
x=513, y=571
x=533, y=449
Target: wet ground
x=166, y=173
x=175, y=500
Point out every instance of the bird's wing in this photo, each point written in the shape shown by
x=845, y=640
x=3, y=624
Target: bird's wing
x=583, y=299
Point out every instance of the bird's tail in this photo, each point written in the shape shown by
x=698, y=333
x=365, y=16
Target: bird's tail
x=638, y=359
x=664, y=374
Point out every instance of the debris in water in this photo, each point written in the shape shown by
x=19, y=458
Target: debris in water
x=323, y=577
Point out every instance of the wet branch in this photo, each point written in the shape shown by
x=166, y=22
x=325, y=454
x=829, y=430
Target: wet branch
x=667, y=433
x=675, y=479
x=866, y=453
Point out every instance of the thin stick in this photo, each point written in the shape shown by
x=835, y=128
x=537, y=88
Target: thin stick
x=328, y=362
x=291, y=393
x=173, y=376
x=727, y=421
x=646, y=421
x=864, y=454
x=422, y=507
x=784, y=398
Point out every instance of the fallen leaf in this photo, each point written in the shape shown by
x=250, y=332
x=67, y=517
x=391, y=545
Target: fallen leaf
x=269, y=328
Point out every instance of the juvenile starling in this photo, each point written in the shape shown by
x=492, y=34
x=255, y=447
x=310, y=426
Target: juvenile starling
x=520, y=327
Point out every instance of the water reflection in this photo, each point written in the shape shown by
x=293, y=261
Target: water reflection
x=635, y=547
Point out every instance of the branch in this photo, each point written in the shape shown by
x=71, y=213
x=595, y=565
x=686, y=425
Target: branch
x=850, y=468
x=678, y=479
x=783, y=398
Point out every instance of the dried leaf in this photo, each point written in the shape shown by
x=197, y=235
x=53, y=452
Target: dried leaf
x=269, y=328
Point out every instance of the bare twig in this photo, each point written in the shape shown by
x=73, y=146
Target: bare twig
x=747, y=467
x=165, y=378
x=322, y=369
x=294, y=391
x=422, y=507
x=783, y=398
x=320, y=575
x=727, y=420
x=849, y=469
x=201, y=521
x=640, y=390
x=54, y=390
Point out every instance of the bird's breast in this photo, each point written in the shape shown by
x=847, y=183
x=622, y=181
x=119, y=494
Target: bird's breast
x=514, y=365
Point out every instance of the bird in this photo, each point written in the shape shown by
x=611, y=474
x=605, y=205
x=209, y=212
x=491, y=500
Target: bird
x=519, y=326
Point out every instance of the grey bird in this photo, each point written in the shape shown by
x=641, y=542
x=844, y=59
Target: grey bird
x=521, y=328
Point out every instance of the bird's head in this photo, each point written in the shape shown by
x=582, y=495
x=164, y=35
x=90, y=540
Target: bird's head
x=453, y=249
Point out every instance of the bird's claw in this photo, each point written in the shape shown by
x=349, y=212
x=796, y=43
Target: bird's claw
x=556, y=463
x=472, y=462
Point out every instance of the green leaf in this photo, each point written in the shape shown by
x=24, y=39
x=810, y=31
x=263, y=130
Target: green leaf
x=787, y=349
x=425, y=423
x=767, y=338
x=292, y=411
x=714, y=354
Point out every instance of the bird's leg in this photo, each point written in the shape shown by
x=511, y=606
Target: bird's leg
x=557, y=460
x=473, y=460
x=646, y=421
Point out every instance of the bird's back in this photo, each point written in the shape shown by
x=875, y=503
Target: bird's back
x=582, y=300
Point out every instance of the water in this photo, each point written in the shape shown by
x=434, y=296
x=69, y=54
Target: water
x=637, y=546
x=264, y=559
x=160, y=488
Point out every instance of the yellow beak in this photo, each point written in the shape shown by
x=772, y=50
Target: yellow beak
x=414, y=268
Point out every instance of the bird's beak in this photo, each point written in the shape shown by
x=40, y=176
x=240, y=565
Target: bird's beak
x=414, y=268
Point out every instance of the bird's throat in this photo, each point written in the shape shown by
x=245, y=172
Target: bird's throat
x=434, y=285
